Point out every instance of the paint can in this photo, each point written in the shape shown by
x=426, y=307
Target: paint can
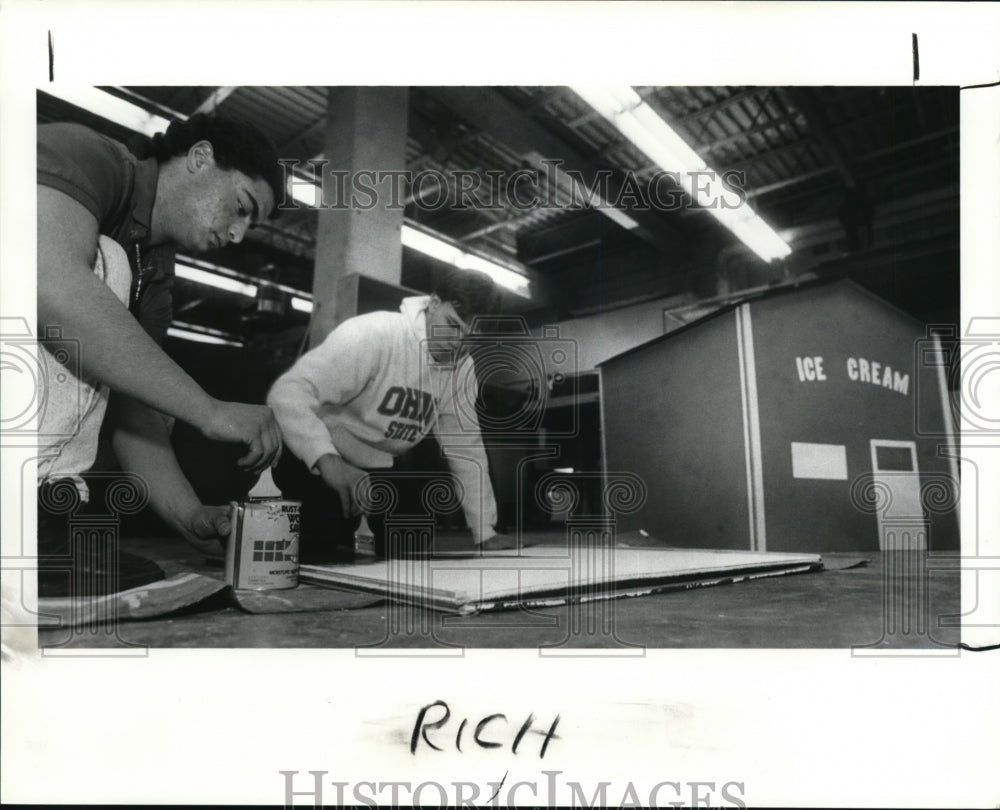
x=263, y=549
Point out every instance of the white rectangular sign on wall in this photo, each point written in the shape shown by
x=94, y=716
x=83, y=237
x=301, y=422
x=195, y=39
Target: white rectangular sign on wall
x=827, y=461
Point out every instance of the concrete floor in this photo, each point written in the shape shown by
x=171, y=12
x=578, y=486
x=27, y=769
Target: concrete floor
x=841, y=608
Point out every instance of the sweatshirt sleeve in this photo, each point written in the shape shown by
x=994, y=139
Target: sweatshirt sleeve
x=457, y=431
x=333, y=373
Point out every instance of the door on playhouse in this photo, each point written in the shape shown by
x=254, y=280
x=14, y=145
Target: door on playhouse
x=901, y=523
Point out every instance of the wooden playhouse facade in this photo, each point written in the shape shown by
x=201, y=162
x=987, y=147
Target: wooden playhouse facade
x=817, y=419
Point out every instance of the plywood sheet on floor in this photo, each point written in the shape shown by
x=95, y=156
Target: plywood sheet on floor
x=551, y=575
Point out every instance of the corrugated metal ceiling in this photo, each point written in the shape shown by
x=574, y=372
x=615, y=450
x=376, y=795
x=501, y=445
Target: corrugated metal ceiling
x=804, y=151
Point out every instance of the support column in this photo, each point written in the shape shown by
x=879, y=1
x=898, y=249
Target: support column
x=358, y=233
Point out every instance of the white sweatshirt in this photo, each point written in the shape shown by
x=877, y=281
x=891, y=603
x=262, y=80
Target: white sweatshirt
x=371, y=391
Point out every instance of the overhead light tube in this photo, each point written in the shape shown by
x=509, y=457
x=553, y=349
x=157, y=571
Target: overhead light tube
x=115, y=109
x=641, y=125
x=437, y=247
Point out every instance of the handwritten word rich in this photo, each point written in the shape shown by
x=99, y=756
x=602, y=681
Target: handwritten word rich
x=490, y=731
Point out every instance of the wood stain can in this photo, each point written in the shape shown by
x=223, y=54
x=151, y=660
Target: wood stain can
x=263, y=549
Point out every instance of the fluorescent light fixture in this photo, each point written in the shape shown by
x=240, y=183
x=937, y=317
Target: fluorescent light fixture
x=596, y=201
x=423, y=242
x=579, y=190
x=640, y=123
x=564, y=470
x=223, y=278
x=614, y=214
x=201, y=335
x=304, y=192
x=437, y=247
x=211, y=279
x=115, y=109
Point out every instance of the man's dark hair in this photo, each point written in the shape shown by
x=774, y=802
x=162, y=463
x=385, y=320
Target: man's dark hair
x=236, y=144
x=471, y=292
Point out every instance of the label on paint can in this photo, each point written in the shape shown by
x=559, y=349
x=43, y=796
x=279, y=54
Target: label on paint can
x=263, y=549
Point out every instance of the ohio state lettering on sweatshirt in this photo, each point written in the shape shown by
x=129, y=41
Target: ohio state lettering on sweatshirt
x=371, y=391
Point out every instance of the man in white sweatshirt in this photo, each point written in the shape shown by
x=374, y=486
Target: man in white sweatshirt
x=370, y=392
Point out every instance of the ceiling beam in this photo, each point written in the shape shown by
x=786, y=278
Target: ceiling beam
x=715, y=106
x=754, y=130
x=512, y=222
x=803, y=141
x=820, y=127
x=489, y=112
x=557, y=254
x=932, y=205
x=592, y=115
x=896, y=147
x=312, y=129
x=651, y=98
x=566, y=235
x=217, y=96
x=795, y=149
x=147, y=103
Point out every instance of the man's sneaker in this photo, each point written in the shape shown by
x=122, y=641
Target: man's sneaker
x=498, y=542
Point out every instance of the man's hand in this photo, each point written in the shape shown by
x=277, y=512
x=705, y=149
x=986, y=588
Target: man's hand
x=205, y=528
x=252, y=425
x=342, y=478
